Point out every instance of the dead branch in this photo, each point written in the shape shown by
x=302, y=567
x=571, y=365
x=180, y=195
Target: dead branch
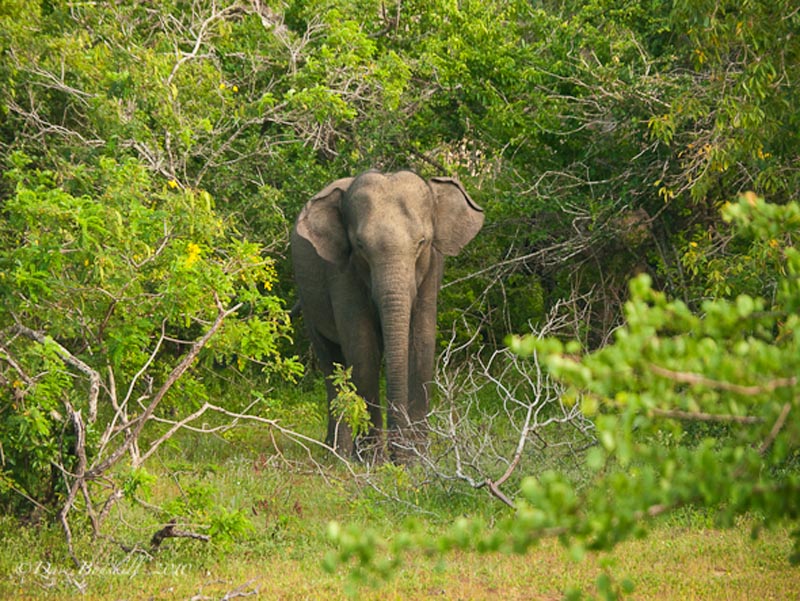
x=493, y=488
x=170, y=531
x=204, y=27
x=154, y=446
x=700, y=380
x=121, y=434
x=776, y=428
x=78, y=481
x=82, y=473
x=242, y=591
x=305, y=442
x=138, y=424
x=483, y=445
x=9, y=358
x=699, y=416
x=67, y=357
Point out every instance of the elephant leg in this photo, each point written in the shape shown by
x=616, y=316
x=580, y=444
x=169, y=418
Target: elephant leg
x=366, y=377
x=361, y=345
x=329, y=353
x=358, y=329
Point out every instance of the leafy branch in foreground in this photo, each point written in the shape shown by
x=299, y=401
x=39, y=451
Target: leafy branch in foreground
x=689, y=409
x=348, y=406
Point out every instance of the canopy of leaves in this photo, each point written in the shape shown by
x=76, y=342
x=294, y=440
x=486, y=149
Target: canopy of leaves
x=600, y=136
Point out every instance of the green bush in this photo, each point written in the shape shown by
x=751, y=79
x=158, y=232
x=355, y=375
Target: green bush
x=105, y=289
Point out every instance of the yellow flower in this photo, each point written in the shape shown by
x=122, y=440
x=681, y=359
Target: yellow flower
x=235, y=88
x=172, y=184
x=192, y=254
x=222, y=86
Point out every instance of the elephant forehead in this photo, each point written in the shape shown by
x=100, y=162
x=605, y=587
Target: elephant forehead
x=403, y=188
x=392, y=217
x=386, y=209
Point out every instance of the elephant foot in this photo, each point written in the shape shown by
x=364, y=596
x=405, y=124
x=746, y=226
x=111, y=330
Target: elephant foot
x=402, y=446
x=407, y=446
x=370, y=450
x=340, y=440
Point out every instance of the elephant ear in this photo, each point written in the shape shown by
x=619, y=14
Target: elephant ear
x=458, y=217
x=320, y=222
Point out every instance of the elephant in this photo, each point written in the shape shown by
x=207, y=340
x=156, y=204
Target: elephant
x=368, y=257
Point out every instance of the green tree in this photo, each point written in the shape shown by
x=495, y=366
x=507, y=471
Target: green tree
x=121, y=309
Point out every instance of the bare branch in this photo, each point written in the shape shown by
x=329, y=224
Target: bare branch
x=67, y=357
x=78, y=482
x=776, y=428
x=154, y=446
x=706, y=417
x=243, y=590
x=9, y=358
x=497, y=414
x=204, y=26
x=170, y=531
x=495, y=490
x=306, y=442
x=698, y=379
x=132, y=434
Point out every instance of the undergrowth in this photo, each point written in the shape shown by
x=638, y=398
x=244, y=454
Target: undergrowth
x=267, y=505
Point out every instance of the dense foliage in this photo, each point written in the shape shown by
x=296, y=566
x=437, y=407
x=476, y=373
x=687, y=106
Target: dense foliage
x=155, y=153
x=114, y=281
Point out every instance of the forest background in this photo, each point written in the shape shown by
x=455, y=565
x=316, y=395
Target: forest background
x=154, y=155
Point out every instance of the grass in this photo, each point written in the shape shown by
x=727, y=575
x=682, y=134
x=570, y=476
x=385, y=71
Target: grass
x=289, y=508
x=672, y=563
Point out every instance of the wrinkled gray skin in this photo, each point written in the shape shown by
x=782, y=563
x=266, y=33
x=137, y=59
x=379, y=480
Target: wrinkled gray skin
x=368, y=255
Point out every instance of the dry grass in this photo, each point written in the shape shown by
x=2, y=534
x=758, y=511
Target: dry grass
x=672, y=563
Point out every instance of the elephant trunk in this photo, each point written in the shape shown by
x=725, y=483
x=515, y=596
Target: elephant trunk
x=395, y=340
x=394, y=302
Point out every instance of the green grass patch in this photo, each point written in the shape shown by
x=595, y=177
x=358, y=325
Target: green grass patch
x=276, y=508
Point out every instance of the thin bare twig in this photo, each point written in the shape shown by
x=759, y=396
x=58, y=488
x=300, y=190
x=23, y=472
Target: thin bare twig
x=699, y=416
x=698, y=379
x=776, y=428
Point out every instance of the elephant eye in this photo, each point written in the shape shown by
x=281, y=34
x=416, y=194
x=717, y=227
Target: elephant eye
x=422, y=241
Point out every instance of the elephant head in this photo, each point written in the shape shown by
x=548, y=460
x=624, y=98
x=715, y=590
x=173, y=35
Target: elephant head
x=382, y=239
